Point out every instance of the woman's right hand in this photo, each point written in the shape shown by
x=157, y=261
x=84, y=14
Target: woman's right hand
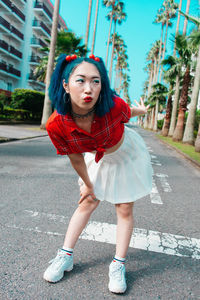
x=86, y=191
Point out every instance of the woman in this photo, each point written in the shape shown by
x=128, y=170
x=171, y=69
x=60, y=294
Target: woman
x=112, y=161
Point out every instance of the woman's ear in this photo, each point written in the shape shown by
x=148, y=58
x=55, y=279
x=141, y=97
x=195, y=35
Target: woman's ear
x=65, y=85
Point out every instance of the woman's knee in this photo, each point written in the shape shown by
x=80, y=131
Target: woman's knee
x=88, y=205
x=124, y=210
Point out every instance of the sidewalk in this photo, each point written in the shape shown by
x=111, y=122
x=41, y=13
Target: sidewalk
x=20, y=131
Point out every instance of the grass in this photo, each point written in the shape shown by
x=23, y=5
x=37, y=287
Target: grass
x=184, y=148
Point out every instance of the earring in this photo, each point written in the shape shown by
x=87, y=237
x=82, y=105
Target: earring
x=66, y=98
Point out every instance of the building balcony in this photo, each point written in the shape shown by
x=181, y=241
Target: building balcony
x=40, y=25
x=42, y=8
x=11, y=28
x=35, y=59
x=10, y=49
x=38, y=42
x=9, y=69
x=14, y=9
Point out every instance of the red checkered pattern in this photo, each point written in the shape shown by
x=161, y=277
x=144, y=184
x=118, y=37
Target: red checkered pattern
x=106, y=131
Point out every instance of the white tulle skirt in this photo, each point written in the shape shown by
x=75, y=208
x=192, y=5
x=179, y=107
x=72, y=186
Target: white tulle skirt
x=124, y=175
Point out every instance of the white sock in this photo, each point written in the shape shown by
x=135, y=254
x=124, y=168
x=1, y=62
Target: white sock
x=69, y=251
x=119, y=259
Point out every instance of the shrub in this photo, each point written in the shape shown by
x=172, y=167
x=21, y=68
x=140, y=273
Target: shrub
x=160, y=124
x=4, y=99
x=28, y=100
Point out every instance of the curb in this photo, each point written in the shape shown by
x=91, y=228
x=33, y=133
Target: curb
x=194, y=162
x=7, y=140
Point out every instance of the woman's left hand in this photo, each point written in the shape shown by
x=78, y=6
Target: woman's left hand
x=141, y=108
x=86, y=191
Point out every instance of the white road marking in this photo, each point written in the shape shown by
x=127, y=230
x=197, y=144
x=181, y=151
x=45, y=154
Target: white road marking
x=148, y=240
x=163, y=179
x=155, y=196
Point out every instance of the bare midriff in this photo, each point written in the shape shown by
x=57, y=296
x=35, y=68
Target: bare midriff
x=114, y=148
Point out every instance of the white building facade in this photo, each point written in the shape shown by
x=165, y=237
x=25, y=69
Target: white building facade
x=24, y=26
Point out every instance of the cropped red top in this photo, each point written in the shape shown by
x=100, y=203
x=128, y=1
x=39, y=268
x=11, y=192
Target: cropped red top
x=105, y=133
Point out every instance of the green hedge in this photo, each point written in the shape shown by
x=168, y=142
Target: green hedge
x=24, y=104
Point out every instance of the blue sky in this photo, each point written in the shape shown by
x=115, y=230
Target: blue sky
x=138, y=31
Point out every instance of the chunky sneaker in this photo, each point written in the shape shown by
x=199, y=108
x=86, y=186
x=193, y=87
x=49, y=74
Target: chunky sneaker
x=61, y=263
x=117, y=282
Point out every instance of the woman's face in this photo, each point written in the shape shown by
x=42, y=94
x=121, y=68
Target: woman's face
x=84, y=87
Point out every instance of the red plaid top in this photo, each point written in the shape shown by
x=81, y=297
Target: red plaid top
x=105, y=133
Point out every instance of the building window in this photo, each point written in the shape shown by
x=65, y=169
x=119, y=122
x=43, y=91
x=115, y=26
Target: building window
x=9, y=86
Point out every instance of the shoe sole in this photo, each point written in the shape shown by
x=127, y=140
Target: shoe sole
x=116, y=291
x=47, y=279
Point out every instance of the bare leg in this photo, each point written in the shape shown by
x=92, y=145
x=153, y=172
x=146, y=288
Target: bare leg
x=79, y=221
x=124, y=227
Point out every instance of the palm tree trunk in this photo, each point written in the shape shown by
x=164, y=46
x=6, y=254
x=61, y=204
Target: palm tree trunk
x=155, y=125
x=165, y=128
x=177, y=26
x=174, y=108
x=116, y=75
x=186, y=20
x=152, y=118
x=150, y=84
x=167, y=121
x=160, y=52
x=47, y=109
x=163, y=54
x=95, y=26
x=178, y=132
x=108, y=42
x=88, y=24
x=189, y=128
x=197, y=142
x=112, y=56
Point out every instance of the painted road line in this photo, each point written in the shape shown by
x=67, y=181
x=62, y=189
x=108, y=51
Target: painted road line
x=155, y=196
x=163, y=179
x=143, y=239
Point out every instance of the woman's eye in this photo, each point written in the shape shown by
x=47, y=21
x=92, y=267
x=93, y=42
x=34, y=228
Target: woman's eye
x=96, y=81
x=80, y=80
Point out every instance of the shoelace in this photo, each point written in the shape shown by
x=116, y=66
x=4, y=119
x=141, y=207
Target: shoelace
x=58, y=257
x=117, y=273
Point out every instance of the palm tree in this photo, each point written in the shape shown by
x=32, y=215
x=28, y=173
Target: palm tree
x=185, y=52
x=158, y=97
x=160, y=19
x=173, y=67
x=47, y=110
x=169, y=9
x=189, y=128
x=118, y=17
x=88, y=23
x=177, y=86
x=109, y=3
x=152, y=66
x=121, y=58
x=170, y=118
x=66, y=42
x=95, y=26
x=197, y=142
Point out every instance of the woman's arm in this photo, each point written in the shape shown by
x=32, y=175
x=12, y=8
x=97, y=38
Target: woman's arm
x=140, y=109
x=78, y=163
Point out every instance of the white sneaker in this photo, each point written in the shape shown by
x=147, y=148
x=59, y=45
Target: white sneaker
x=117, y=282
x=61, y=263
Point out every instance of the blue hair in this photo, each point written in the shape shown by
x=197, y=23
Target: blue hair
x=63, y=71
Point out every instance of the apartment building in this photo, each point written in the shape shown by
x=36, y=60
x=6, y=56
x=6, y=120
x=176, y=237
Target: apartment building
x=24, y=26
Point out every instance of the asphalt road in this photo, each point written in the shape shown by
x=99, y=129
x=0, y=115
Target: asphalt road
x=39, y=192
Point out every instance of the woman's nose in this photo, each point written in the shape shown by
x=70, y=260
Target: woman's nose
x=87, y=87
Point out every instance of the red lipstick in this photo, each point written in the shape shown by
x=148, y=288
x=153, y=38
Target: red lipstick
x=88, y=99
